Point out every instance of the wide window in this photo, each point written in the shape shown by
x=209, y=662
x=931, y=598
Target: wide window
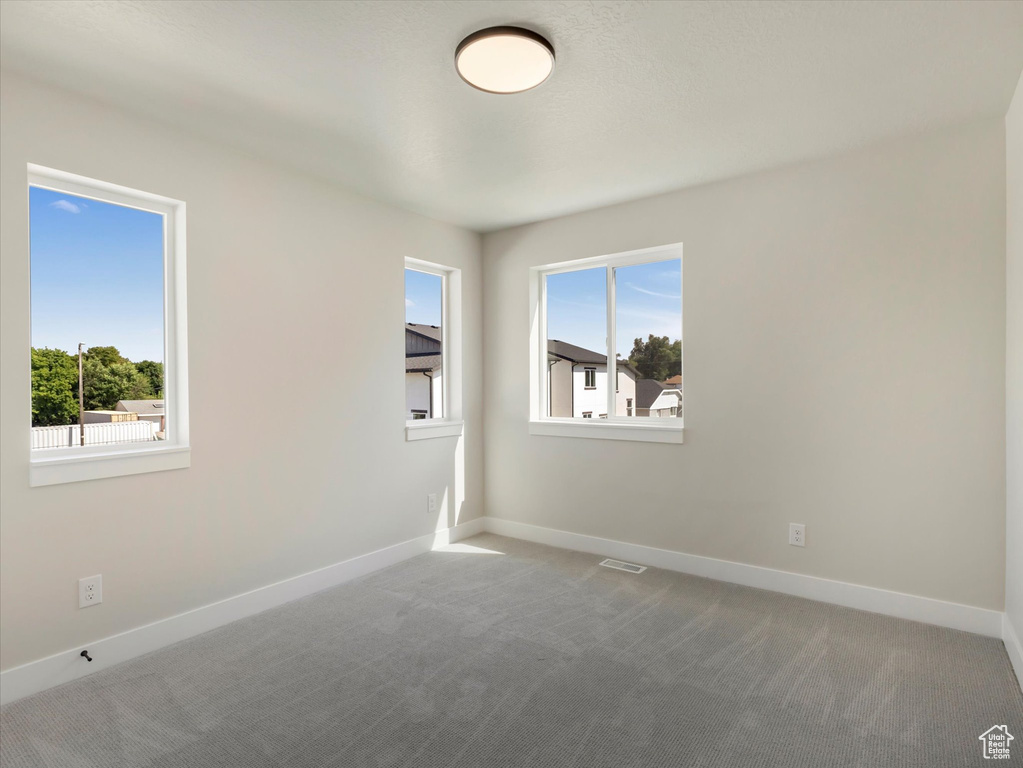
x=432, y=344
x=108, y=360
x=615, y=319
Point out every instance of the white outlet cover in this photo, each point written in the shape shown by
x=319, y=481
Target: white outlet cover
x=431, y=502
x=797, y=534
x=90, y=591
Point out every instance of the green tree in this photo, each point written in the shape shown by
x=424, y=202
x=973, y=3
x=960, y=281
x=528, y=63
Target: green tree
x=657, y=358
x=106, y=384
x=153, y=372
x=105, y=355
x=54, y=385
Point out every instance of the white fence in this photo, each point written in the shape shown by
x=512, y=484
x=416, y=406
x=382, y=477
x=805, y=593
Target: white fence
x=95, y=434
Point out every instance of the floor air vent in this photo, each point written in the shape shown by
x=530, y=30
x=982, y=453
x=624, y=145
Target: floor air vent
x=620, y=566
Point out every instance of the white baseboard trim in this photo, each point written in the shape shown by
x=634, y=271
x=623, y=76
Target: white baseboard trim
x=35, y=676
x=924, y=609
x=1013, y=647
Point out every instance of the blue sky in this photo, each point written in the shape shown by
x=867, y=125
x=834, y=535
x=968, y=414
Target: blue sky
x=422, y=297
x=97, y=275
x=649, y=300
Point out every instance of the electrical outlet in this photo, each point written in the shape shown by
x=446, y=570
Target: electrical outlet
x=90, y=591
x=797, y=534
x=431, y=503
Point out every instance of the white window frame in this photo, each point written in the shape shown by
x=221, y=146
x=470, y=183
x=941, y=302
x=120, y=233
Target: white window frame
x=613, y=427
x=68, y=465
x=450, y=424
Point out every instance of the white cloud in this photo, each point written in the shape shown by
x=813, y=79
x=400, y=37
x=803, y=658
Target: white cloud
x=635, y=287
x=409, y=303
x=66, y=205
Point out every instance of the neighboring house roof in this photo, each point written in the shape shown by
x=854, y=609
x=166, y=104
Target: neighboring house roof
x=676, y=380
x=140, y=406
x=648, y=390
x=565, y=351
x=429, y=331
x=575, y=354
x=414, y=363
x=422, y=347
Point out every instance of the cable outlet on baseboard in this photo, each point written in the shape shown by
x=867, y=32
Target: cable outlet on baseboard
x=797, y=534
x=90, y=591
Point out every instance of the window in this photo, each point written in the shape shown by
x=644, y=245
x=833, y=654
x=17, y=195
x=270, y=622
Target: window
x=109, y=353
x=616, y=316
x=575, y=334
x=432, y=344
x=424, y=344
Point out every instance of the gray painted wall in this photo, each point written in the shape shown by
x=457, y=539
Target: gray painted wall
x=844, y=343
x=273, y=494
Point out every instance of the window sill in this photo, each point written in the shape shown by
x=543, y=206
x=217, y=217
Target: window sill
x=54, y=469
x=428, y=429
x=607, y=430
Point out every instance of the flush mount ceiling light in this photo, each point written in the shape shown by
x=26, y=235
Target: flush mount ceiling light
x=504, y=59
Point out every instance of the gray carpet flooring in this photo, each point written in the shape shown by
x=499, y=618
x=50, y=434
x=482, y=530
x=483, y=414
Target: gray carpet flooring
x=534, y=657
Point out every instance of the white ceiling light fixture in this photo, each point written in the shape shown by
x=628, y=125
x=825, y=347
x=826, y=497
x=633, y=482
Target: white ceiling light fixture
x=504, y=59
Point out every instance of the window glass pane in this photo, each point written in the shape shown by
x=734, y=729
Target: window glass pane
x=648, y=336
x=97, y=281
x=424, y=307
x=577, y=343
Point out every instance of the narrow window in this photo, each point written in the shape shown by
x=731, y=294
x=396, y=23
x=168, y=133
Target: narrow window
x=433, y=350
x=424, y=345
x=591, y=378
x=109, y=353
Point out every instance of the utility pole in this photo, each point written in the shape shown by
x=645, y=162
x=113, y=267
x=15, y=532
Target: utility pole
x=81, y=398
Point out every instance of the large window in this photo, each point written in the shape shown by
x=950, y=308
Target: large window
x=432, y=341
x=615, y=319
x=109, y=380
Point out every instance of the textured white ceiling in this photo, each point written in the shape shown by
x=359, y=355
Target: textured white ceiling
x=646, y=97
